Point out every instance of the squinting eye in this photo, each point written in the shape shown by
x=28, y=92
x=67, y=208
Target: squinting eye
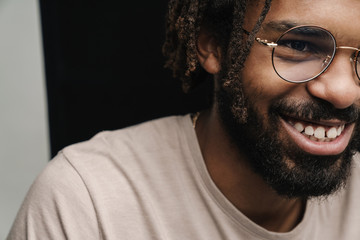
x=296, y=45
x=299, y=46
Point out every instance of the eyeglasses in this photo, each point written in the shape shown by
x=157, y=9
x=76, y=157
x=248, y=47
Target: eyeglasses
x=303, y=53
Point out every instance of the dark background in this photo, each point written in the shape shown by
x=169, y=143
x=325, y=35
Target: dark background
x=104, y=68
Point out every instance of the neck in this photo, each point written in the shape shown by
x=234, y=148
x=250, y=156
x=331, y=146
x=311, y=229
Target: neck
x=230, y=171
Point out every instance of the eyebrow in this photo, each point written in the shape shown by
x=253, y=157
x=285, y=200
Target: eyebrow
x=279, y=26
x=282, y=26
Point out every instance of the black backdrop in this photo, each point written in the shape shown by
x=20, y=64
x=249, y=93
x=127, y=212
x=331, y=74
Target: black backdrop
x=104, y=68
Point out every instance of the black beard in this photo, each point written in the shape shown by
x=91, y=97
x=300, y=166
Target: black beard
x=308, y=175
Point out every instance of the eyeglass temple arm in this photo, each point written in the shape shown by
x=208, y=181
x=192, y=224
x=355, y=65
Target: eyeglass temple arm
x=354, y=59
x=350, y=48
x=262, y=41
x=266, y=43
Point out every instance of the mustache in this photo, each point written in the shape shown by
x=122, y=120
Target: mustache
x=315, y=110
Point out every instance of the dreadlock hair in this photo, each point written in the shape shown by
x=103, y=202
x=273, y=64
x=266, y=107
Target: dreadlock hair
x=224, y=20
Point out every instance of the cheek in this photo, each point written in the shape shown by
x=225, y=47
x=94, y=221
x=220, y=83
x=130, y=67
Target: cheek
x=261, y=83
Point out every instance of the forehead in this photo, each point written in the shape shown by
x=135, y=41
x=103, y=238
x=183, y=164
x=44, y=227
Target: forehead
x=337, y=16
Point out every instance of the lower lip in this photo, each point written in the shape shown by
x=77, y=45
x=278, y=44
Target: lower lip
x=334, y=147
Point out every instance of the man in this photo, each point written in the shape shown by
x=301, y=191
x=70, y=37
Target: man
x=273, y=158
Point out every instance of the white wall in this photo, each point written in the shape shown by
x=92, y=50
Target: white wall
x=24, y=148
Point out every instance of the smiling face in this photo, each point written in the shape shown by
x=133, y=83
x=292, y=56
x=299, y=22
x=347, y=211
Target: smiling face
x=299, y=137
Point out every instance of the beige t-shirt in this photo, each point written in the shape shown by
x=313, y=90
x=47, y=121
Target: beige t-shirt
x=150, y=182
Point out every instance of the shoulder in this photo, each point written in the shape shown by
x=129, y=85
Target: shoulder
x=143, y=134
x=57, y=206
x=124, y=145
x=113, y=162
x=85, y=184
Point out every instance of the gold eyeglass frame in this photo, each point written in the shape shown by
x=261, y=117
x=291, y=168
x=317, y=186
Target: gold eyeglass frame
x=327, y=61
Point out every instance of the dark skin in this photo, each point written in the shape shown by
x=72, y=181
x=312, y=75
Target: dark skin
x=229, y=166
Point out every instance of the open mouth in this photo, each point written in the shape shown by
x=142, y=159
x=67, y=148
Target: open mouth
x=328, y=137
x=319, y=133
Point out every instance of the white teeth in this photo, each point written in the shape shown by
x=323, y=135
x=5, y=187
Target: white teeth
x=332, y=133
x=339, y=130
x=319, y=132
x=309, y=130
x=298, y=126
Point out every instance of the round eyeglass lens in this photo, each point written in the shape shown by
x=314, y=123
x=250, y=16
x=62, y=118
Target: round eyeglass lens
x=303, y=53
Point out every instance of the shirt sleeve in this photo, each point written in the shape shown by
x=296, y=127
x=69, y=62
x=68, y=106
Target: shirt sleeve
x=57, y=206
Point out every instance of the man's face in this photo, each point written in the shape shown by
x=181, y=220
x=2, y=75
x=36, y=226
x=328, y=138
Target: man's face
x=295, y=163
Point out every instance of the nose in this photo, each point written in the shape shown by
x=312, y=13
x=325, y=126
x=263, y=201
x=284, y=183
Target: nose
x=338, y=85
